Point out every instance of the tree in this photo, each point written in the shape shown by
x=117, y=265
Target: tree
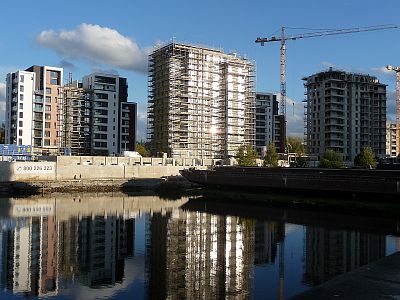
x=331, y=160
x=365, y=159
x=296, y=145
x=271, y=158
x=142, y=149
x=246, y=156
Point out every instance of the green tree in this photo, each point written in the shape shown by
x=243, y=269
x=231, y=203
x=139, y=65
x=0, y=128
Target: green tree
x=366, y=158
x=331, y=160
x=271, y=158
x=141, y=148
x=295, y=145
x=246, y=156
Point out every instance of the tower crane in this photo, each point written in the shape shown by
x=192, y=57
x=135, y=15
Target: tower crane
x=397, y=70
x=283, y=38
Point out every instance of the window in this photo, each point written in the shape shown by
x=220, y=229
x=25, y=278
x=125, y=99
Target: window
x=21, y=78
x=21, y=106
x=47, y=133
x=20, y=124
x=48, y=90
x=21, y=114
x=20, y=132
x=48, y=99
x=21, y=88
x=47, y=108
x=54, y=81
x=47, y=125
x=19, y=141
x=21, y=97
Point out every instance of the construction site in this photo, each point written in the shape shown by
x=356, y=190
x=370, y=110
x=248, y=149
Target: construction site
x=201, y=102
x=77, y=119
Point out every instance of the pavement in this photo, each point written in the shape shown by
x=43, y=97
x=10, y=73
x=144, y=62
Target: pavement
x=379, y=280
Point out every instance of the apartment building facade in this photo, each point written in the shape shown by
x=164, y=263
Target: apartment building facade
x=267, y=122
x=33, y=107
x=392, y=140
x=201, y=102
x=89, y=118
x=345, y=112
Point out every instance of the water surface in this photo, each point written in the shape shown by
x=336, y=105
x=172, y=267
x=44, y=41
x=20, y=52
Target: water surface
x=145, y=247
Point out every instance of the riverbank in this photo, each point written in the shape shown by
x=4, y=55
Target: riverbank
x=379, y=280
x=172, y=184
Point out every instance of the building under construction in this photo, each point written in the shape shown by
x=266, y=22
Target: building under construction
x=345, y=112
x=201, y=102
x=77, y=119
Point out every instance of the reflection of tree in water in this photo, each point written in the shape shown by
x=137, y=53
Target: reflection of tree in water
x=329, y=253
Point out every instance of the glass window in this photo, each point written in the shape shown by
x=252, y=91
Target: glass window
x=48, y=108
x=20, y=123
x=21, y=97
x=20, y=132
x=48, y=99
x=21, y=114
x=21, y=88
x=21, y=78
x=48, y=90
x=21, y=106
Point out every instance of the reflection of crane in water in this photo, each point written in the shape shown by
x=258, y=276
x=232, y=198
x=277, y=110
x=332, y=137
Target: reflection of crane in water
x=281, y=239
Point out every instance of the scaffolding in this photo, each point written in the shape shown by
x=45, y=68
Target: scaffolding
x=201, y=102
x=77, y=119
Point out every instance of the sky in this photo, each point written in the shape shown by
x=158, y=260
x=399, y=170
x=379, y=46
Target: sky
x=116, y=36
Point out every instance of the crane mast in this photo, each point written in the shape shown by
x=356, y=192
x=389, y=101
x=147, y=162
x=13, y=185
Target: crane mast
x=397, y=70
x=320, y=33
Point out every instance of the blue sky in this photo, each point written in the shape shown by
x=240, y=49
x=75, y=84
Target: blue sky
x=117, y=35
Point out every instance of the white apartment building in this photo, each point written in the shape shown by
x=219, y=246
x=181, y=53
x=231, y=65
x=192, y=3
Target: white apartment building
x=392, y=140
x=33, y=107
x=107, y=93
x=201, y=102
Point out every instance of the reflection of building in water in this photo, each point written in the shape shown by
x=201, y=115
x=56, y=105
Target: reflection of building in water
x=267, y=235
x=29, y=257
x=198, y=255
x=334, y=252
x=41, y=256
x=94, y=248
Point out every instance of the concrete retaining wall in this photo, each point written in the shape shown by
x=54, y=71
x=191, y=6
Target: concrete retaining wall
x=95, y=167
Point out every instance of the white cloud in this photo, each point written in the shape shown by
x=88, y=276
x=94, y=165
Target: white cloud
x=2, y=101
x=294, y=117
x=96, y=45
x=382, y=70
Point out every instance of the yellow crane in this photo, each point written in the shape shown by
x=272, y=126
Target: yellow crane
x=397, y=70
x=283, y=38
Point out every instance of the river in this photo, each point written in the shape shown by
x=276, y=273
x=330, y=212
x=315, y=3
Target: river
x=103, y=246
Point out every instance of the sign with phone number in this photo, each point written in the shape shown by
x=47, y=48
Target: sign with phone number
x=33, y=169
